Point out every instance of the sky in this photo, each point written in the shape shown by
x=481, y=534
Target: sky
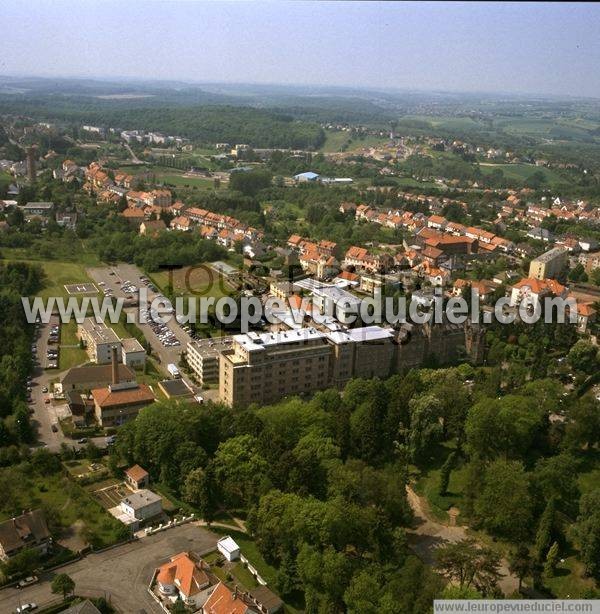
x=536, y=48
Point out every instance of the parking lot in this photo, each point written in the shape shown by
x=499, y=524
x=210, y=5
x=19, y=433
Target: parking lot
x=167, y=338
x=121, y=574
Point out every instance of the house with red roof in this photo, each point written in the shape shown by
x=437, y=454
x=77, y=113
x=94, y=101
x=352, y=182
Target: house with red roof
x=223, y=600
x=186, y=578
x=536, y=289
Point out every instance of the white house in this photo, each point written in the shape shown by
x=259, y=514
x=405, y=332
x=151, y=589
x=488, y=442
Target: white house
x=142, y=504
x=228, y=548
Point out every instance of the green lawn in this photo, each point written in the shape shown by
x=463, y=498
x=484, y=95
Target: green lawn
x=199, y=282
x=334, y=140
x=187, y=182
x=70, y=354
x=428, y=481
x=521, y=172
x=569, y=579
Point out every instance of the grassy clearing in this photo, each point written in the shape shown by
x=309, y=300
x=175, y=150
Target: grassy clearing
x=186, y=182
x=190, y=281
x=569, y=579
x=428, y=482
x=521, y=172
x=334, y=141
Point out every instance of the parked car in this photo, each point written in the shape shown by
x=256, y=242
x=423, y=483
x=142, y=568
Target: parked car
x=82, y=440
x=54, y=428
x=26, y=607
x=27, y=581
x=45, y=389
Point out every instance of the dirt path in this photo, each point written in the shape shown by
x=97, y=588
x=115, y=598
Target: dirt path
x=429, y=534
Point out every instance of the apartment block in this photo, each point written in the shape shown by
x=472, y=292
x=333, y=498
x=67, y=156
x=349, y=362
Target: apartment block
x=550, y=264
x=263, y=368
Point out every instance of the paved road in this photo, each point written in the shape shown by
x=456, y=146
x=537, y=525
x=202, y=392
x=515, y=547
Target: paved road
x=121, y=574
x=130, y=272
x=44, y=416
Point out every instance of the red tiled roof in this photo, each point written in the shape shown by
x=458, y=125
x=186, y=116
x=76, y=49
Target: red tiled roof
x=223, y=601
x=136, y=473
x=105, y=397
x=181, y=568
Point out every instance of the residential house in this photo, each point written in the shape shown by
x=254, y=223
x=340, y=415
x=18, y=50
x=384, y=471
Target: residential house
x=27, y=531
x=152, y=227
x=142, y=504
x=184, y=577
x=226, y=601
x=535, y=290
x=181, y=222
x=137, y=477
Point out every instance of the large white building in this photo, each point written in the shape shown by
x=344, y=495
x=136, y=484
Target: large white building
x=99, y=340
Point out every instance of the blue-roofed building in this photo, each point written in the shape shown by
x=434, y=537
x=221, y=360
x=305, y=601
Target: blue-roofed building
x=308, y=176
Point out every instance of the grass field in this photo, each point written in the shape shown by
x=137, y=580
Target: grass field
x=187, y=182
x=334, y=141
x=172, y=176
x=191, y=281
x=521, y=172
x=337, y=141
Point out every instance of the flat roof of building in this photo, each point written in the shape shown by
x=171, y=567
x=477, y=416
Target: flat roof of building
x=39, y=205
x=337, y=295
x=358, y=335
x=550, y=254
x=132, y=345
x=254, y=342
x=211, y=348
x=175, y=388
x=223, y=267
x=99, y=332
x=141, y=498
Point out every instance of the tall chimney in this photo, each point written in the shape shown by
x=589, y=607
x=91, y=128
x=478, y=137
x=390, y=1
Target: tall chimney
x=115, y=366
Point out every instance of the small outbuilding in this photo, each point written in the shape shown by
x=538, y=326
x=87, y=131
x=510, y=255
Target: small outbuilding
x=228, y=548
x=137, y=477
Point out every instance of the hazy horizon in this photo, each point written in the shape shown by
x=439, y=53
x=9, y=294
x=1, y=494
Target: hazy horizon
x=502, y=48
